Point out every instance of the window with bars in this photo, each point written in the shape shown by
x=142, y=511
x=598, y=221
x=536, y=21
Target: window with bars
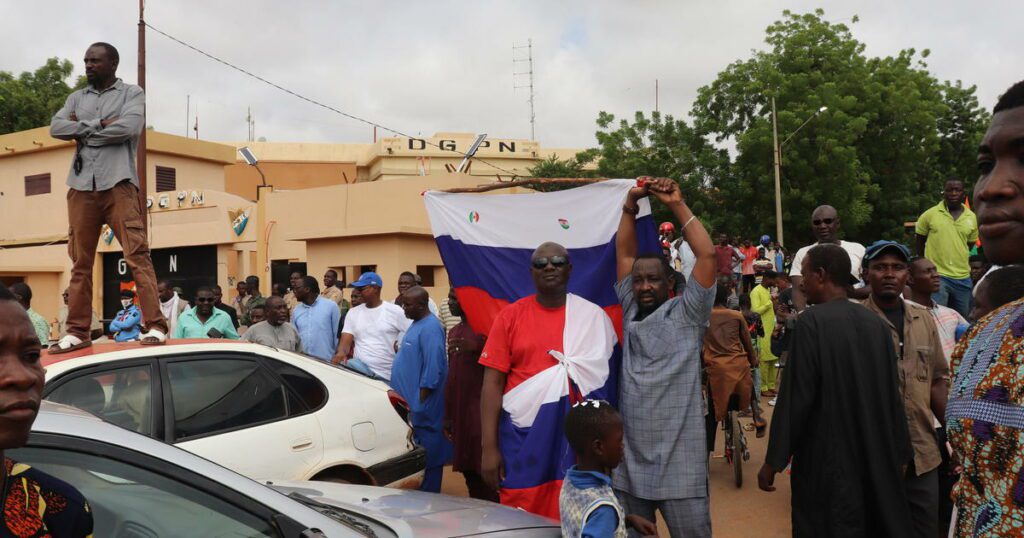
x=166, y=179
x=37, y=184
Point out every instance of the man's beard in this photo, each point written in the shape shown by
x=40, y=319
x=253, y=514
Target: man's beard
x=642, y=311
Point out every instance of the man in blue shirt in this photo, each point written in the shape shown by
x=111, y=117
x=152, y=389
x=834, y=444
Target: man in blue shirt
x=126, y=324
x=418, y=375
x=316, y=319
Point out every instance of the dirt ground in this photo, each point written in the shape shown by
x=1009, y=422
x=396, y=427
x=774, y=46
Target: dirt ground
x=738, y=512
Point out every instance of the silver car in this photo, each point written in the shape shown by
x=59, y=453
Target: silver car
x=140, y=488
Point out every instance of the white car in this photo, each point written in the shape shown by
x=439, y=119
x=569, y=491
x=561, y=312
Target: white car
x=260, y=411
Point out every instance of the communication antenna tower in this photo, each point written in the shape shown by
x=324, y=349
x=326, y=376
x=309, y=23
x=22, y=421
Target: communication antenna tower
x=517, y=59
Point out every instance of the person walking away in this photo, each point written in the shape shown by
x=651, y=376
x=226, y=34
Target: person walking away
x=826, y=225
x=923, y=375
x=945, y=234
x=462, y=400
x=205, y=321
x=587, y=503
x=171, y=305
x=371, y=330
x=218, y=297
x=761, y=303
x=275, y=331
x=728, y=358
x=34, y=503
x=840, y=417
x=126, y=323
x=95, y=326
x=316, y=320
x=785, y=321
x=987, y=363
x=418, y=375
x=23, y=293
x=749, y=253
x=660, y=390
x=756, y=329
x=105, y=119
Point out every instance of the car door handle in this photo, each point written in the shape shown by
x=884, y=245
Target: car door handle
x=302, y=444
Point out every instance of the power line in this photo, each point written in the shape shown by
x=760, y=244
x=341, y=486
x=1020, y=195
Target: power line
x=318, y=103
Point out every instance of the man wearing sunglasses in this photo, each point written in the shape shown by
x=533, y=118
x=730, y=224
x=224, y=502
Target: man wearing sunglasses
x=205, y=321
x=825, y=225
x=945, y=234
x=665, y=463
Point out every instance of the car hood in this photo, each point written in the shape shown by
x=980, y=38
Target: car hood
x=417, y=513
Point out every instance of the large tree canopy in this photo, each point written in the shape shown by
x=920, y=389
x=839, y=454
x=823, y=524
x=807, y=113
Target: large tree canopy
x=31, y=99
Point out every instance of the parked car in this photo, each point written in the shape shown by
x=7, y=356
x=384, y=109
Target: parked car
x=260, y=411
x=138, y=487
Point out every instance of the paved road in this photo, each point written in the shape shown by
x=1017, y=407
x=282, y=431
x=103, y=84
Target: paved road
x=741, y=512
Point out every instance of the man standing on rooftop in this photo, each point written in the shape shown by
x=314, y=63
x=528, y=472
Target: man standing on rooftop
x=105, y=119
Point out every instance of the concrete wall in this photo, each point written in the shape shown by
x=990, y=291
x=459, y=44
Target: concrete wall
x=242, y=179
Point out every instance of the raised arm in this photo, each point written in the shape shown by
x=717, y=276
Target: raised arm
x=667, y=191
x=129, y=124
x=625, y=239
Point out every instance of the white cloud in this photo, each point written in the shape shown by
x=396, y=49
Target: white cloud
x=422, y=67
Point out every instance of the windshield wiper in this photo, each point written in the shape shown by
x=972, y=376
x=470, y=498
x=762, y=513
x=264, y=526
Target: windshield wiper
x=334, y=513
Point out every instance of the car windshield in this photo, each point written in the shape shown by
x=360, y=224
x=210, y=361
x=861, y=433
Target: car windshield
x=335, y=513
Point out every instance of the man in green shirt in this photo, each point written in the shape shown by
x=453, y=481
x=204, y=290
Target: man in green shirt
x=945, y=234
x=205, y=321
x=23, y=294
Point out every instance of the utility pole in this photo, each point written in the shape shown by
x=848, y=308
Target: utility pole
x=188, y=112
x=140, y=158
x=778, y=173
x=656, y=95
x=529, y=72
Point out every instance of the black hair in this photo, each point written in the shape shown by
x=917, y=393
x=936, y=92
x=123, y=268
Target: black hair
x=770, y=275
x=311, y=283
x=589, y=421
x=216, y=288
x=833, y=259
x=669, y=271
x=5, y=294
x=112, y=53
x=332, y=271
x=1013, y=98
x=744, y=300
x=21, y=289
x=721, y=295
x=408, y=274
x=253, y=280
x=1004, y=285
x=128, y=293
x=164, y=281
x=979, y=257
x=201, y=289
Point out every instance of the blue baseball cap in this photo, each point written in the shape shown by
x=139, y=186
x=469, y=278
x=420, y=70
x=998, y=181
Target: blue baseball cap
x=879, y=247
x=368, y=279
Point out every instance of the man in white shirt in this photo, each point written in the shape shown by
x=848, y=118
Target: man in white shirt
x=371, y=330
x=825, y=224
x=170, y=304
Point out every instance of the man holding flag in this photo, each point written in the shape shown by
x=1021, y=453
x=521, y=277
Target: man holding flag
x=665, y=464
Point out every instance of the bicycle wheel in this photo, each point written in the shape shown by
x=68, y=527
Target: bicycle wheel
x=737, y=447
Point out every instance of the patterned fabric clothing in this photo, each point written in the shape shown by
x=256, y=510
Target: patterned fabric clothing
x=36, y=505
x=985, y=424
x=583, y=495
x=660, y=395
x=41, y=326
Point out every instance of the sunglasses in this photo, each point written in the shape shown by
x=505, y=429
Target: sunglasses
x=556, y=261
x=819, y=222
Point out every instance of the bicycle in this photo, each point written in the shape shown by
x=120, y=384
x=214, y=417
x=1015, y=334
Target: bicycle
x=735, y=442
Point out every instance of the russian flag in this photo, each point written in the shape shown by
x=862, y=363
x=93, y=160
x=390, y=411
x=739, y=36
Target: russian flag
x=486, y=241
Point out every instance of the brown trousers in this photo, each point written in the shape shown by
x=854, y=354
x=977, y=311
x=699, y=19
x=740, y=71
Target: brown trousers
x=118, y=208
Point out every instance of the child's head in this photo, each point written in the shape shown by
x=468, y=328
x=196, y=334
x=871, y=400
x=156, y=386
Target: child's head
x=594, y=430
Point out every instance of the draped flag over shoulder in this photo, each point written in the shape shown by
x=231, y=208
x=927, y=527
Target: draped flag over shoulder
x=486, y=242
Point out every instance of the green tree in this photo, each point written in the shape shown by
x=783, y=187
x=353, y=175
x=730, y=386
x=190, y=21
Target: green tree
x=890, y=130
x=31, y=99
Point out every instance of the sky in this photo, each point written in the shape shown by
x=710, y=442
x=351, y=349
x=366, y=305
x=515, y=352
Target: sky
x=444, y=66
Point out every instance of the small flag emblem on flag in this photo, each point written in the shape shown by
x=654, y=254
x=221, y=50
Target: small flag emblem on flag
x=564, y=223
x=474, y=216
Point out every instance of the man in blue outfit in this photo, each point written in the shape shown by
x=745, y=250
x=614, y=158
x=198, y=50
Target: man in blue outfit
x=316, y=319
x=418, y=375
x=127, y=324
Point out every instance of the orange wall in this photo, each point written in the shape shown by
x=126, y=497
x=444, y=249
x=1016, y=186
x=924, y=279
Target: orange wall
x=242, y=179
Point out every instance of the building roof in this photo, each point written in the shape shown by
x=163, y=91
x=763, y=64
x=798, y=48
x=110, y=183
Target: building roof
x=39, y=139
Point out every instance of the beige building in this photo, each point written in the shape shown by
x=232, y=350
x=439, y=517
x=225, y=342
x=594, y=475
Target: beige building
x=350, y=207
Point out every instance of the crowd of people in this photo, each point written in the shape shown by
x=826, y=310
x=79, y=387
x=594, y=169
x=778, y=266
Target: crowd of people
x=899, y=409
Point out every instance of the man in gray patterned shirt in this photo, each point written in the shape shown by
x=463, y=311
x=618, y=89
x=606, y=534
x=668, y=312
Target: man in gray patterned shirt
x=105, y=119
x=665, y=464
